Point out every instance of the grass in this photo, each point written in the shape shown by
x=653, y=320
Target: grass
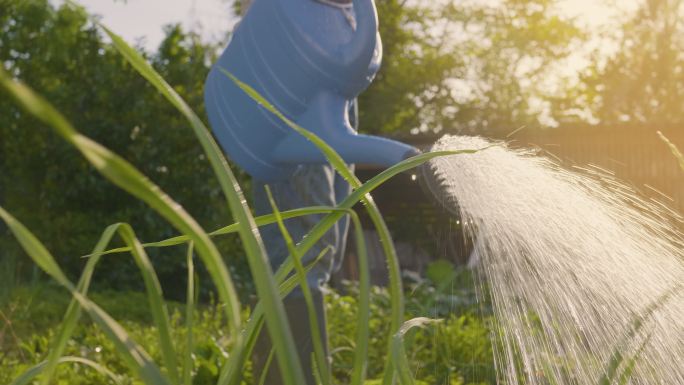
x=271, y=287
x=168, y=359
x=456, y=350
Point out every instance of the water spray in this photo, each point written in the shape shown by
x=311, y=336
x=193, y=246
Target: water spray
x=584, y=276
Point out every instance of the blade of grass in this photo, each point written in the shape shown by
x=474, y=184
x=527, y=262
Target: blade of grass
x=360, y=360
x=131, y=353
x=276, y=319
x=160, y=314
x=267, y=366
x=230, y=229
x=73, y=312
x=30, y=374
x=336, y=161
x=288, y=283
x=153, y=289
x=631, y=364
x=326, y=223
x=254, y=326
x=124, y=175
x=319, y=354
x=189, y=318
x=401, y=363
x=613, y=366
x=330, y=154
x=357, y=195
x=283, y=273
x=270, y=218
x=674, y=149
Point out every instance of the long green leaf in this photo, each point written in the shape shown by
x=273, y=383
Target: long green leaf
x=257, y=257
x=160, y=314
x=189, y=318
x=401, y=363
x=330, y=154
x=254, y=326
x=283, y=273
x=74, y=310
x=618, y=358
x=396, y=291
x=132, y=354
x=157, y=304
x=675, y=151
x=336, y=161
x=124, y=175
x=29, y=375
x=360, y=361
x=319, y=354
x=631, y=363
x=267, y=366
x=289, y=282
x=230, y=229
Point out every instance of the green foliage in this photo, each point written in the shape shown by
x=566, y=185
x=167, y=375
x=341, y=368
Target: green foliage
x=270, y=287
x=456, y=351
x=643, y=81
x=56, y=193
x=464, y=65
x=32, y=337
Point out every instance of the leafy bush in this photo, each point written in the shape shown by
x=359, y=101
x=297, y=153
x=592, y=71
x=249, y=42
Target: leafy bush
x=53, y=190
x=455, y=352
x=176, y=367
x=35, y=313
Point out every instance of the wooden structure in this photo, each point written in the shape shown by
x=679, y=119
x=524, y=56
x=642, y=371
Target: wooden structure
x=633, y=154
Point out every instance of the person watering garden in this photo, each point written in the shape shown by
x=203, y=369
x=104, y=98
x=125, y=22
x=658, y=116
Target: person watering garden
x=310, y=59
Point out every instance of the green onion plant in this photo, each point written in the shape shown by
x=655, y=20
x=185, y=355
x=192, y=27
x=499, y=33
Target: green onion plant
x=175, y=367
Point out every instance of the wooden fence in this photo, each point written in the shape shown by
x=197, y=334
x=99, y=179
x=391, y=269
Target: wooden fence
x=633, y=154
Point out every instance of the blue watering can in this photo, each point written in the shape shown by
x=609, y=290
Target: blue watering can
x=310, y=60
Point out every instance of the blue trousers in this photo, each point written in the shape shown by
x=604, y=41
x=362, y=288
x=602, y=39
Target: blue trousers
x=311, y=185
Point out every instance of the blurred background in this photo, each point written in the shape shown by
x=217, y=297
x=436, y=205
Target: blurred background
x=586, y=82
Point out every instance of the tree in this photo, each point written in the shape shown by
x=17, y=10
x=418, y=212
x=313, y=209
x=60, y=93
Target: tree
x=45, y=182
x=643, y=82
x=464, y=66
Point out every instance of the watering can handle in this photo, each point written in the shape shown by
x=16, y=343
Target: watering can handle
x=355, y=56
x=361, y=49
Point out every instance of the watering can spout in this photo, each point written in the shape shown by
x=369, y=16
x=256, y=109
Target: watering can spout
x=327, y=116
